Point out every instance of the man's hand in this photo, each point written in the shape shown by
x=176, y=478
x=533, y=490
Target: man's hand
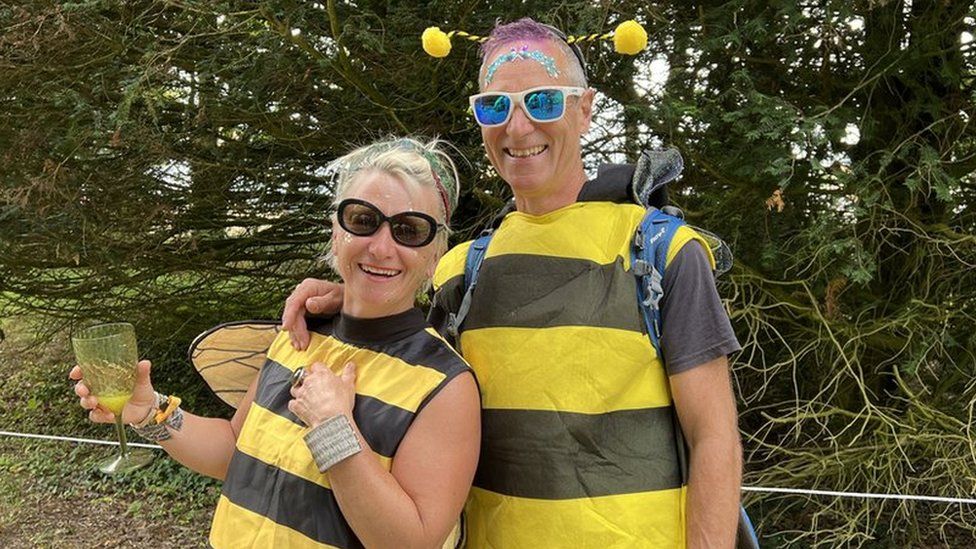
x=313, y=296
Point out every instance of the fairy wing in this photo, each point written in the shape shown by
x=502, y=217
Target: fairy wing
x=229, y=356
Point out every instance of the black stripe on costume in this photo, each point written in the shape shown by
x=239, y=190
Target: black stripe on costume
x=423, y=350
x=382, y=425
x=287, y=500
x=563, y=455
x=274, y=390
x=530, y=291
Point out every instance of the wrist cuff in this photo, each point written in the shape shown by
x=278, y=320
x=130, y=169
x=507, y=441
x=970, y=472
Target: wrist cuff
x=332, y=441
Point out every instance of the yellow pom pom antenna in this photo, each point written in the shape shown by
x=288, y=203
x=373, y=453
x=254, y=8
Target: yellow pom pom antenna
x=629, y=38
x=437, y=43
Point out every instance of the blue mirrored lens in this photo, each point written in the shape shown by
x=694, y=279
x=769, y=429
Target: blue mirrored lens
x=492, y=110
x=545, y=104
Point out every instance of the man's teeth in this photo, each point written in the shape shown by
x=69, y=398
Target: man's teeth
x=525, y=153
x=378, y=271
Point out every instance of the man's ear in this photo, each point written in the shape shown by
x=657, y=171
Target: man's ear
x=586, y=110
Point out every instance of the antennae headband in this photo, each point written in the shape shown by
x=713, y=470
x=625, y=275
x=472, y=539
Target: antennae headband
x=629, y=38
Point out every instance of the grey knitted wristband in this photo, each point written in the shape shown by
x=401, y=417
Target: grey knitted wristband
x=332, y=441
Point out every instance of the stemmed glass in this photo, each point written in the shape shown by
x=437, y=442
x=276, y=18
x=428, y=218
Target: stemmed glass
x=107, y=355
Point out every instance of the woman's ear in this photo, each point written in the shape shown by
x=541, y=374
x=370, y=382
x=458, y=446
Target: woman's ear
x=330, y=252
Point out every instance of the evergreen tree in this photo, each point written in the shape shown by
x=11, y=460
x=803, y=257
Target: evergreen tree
x=165, y=163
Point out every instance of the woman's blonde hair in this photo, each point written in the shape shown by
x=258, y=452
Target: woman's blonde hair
x=416, y=162
x=422, y=163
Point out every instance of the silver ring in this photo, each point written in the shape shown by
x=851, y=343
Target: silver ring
x=298, y=376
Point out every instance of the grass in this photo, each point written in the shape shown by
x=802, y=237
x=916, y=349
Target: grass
x=51, y=495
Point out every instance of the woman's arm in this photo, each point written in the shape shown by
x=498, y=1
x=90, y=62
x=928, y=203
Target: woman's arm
x=418, y=502
x=203, y=444
x=206, y=444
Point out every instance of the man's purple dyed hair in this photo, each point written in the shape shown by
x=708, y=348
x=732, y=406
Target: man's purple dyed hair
x=528, y=29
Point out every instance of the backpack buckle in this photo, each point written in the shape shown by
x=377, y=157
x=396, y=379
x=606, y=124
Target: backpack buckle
x=452, y=325
x=642, y=268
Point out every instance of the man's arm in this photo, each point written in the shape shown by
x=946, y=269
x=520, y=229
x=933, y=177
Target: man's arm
x=696, y=341
x=706, y=409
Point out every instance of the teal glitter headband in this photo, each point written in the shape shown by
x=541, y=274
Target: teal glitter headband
x=441, y=173
x=522, y=53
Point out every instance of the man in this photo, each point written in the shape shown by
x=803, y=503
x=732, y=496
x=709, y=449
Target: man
x=579, y=445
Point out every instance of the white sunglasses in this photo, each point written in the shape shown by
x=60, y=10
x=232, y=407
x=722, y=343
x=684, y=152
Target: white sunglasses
x=541, y=104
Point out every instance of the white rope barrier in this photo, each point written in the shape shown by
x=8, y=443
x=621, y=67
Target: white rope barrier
x=791, y=491
x=83, y=440
x=868, y=495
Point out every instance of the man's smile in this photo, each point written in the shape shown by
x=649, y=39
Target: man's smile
x=525, y=153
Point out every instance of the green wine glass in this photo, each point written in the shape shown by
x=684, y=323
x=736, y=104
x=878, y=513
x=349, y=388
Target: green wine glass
x=107, y=355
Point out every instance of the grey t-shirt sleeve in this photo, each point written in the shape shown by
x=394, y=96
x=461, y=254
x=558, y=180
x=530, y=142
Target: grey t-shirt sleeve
x=695, y=327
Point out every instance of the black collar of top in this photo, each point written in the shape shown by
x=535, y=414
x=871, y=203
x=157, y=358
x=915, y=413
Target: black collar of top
x=377, y=330
x=614, y=183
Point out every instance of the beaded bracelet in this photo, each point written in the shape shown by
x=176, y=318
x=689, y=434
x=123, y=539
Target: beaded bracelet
x=163, y=420
x=151, y=414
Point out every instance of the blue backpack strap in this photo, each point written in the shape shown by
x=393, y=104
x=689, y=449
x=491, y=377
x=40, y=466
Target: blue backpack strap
x=648, y=259
x=472, y=266
x=746, y=537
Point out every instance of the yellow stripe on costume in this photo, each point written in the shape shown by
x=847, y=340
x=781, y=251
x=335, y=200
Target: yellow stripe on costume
x=593, y=231
x=269, y=445
x=600, y=522
x=566, y=368
x=451, y=264
x=380, y=376
x=602, y=243
x=253, y=530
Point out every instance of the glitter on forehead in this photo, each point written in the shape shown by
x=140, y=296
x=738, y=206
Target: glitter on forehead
x=522, y=53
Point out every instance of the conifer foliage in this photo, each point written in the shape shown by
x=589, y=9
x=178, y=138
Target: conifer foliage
x=164, y=162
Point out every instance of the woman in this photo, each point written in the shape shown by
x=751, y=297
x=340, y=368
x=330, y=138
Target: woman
x=375, y=443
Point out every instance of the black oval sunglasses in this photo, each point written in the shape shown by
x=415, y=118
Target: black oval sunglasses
x=411, y=229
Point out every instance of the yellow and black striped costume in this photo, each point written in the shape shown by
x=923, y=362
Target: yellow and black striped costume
x=578, y=446
x=274, y=496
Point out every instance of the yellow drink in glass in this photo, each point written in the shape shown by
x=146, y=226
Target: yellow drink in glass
x=114, y=403
x=108, y=356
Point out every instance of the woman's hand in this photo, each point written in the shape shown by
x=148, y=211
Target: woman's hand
x=322, y=394
x=143, y=398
